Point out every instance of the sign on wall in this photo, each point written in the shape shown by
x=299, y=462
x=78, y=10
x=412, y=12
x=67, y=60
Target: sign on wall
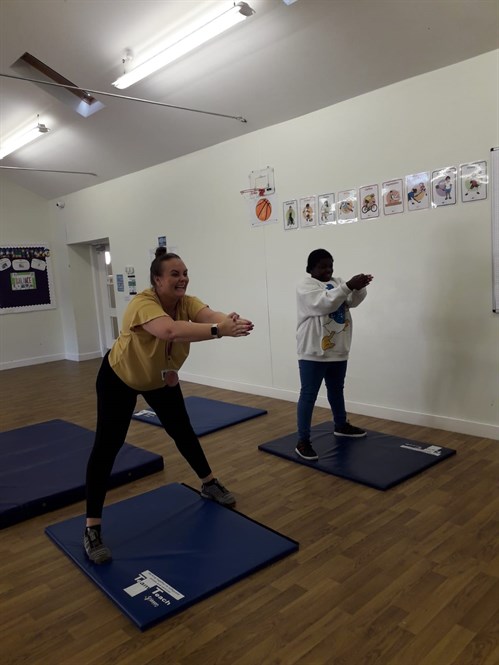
x=25, y=279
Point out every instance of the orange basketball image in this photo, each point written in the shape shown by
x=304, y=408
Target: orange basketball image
x=263, y=209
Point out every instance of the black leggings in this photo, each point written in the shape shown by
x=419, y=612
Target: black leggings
x=115, y=405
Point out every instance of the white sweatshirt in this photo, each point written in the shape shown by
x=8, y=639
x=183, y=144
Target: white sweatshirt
x=324, y=325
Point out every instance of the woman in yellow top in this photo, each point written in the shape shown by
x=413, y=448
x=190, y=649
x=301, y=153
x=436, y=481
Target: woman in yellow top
x=158, y=326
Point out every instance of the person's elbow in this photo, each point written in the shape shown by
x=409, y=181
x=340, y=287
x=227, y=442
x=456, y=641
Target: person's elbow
x=163, y=330
x=169, y=333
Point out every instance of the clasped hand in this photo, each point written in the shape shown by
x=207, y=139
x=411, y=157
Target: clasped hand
x=359, y=282
x=235, y=326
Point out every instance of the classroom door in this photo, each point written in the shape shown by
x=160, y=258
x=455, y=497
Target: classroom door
x=106, y=298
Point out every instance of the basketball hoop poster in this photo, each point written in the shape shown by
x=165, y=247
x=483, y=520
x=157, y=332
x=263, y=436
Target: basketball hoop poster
x=263, y=210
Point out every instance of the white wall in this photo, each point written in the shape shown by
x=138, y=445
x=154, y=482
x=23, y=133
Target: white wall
x=425, y=343
x=28, y=338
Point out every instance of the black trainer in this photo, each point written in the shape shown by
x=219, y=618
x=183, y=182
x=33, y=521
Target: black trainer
x=305, y=450
x=215, y=491
x=349, y=430
x=96, y=551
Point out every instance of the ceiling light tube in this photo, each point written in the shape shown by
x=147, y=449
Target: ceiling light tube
x=237, y=13
x=21, y=139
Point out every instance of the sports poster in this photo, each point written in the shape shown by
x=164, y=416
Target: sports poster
x=474, y=180
x=307, y=210
x=443, y=187
x=416, y=187
x=290, y=214
x=392, y=192
x=263, y=210
x=369, y=201
x=326, y=209
x=347, y=206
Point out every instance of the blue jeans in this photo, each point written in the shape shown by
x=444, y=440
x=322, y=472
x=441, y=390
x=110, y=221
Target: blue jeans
x=312, y=374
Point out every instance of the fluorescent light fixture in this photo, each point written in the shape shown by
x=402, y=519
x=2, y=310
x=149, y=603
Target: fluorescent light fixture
x=21, y=139
x=235, y=14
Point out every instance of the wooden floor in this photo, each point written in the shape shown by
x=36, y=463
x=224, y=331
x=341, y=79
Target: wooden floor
x=404, y=577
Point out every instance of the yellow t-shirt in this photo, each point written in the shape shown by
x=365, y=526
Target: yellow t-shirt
x=139, y=358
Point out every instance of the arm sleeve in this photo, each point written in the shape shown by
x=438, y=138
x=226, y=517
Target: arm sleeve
x=194, y=306
x=142, y=310
x=314, y=300
x=356, y=297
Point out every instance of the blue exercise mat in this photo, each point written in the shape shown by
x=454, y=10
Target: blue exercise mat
x=207, y=415
x=378, y=460
x=43, y=466
x=171, y=548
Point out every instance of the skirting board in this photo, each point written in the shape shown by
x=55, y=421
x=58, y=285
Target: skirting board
x=470, y=427
x=81, y=357
x=41, y=360
x=37, y=360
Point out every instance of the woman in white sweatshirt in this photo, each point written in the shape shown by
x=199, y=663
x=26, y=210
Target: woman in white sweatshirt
x=324, y=333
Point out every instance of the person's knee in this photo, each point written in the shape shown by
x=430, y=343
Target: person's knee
x=307, y=395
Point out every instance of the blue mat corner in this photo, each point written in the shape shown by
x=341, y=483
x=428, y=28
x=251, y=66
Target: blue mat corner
x=171, y=549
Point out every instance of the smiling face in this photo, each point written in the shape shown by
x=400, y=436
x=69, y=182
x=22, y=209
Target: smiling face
x=172, y=283
x=323, y=270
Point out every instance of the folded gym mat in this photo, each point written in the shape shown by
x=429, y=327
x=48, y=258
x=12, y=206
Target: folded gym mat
x=43, y=466
x=207, y=415
x=378, y=460
x=171, y=548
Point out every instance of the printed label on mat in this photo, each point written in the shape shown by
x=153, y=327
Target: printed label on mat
x=436, y=451
x=145, y=581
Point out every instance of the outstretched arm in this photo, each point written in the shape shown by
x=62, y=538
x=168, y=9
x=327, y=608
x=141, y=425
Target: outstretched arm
x=357, y=284
x=207, y=315
x=164, y=327
x=315, y=300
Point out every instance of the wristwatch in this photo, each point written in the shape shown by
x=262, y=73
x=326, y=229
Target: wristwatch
x=214, y=330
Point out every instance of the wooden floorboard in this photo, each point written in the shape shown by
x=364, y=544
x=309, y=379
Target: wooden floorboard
x=404, y=577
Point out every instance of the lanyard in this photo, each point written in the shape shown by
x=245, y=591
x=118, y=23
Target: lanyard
x=169, y=346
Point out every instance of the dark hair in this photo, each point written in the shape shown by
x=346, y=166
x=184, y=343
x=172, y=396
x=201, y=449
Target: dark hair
x=316, y=256
x=161, y=255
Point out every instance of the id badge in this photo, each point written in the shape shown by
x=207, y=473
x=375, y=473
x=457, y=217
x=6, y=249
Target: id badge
x=170, y=377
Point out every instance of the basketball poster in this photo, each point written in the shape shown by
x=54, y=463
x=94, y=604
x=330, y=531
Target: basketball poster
x=263, y=210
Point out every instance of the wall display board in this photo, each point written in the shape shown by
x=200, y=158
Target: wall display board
x=25, y=278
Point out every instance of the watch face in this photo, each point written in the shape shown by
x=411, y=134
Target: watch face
x=214, y=331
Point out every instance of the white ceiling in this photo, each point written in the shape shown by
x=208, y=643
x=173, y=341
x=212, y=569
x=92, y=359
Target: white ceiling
x=281, y=63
